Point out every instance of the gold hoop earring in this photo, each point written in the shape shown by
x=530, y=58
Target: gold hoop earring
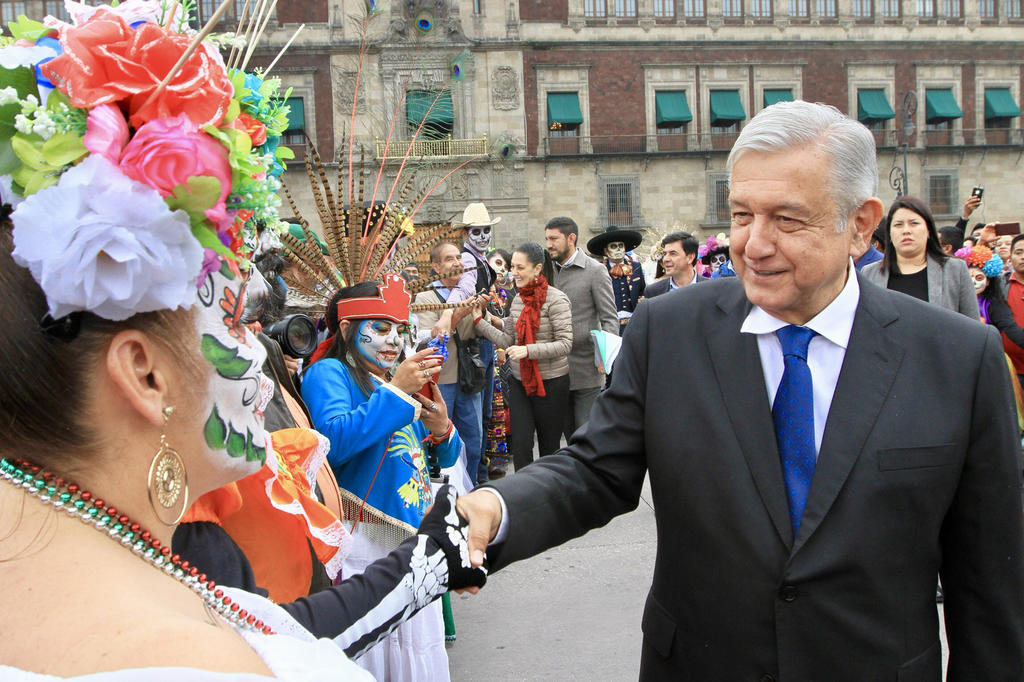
x=168, y=484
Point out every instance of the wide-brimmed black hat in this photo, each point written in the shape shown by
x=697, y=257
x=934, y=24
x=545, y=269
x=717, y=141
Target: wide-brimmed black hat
x=631, y=238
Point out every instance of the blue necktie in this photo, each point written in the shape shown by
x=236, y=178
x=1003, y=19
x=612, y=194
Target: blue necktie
x=793, y=414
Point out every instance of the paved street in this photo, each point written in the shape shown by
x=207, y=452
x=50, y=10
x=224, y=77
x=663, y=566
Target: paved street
x=572, y=613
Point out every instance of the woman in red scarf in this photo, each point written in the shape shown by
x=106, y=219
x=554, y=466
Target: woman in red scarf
x=537, y=336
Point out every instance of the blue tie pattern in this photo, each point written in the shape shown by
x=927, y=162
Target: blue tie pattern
x=793, y=414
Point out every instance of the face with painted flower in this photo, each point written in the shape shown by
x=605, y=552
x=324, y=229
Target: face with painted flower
x=379, y=343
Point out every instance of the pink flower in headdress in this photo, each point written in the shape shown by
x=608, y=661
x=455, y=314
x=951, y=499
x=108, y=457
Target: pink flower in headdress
x=106, y=132
x=167, y=152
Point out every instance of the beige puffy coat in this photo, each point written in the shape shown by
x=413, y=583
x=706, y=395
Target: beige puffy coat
x=553, y=338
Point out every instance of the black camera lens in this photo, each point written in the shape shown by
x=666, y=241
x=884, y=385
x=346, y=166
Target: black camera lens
x=296, y=334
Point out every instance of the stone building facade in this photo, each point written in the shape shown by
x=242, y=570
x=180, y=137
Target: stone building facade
x=623, y=111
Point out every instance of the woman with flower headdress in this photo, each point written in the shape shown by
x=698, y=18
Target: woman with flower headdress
x=986, y=269
x=129, y=374
x=385, y=436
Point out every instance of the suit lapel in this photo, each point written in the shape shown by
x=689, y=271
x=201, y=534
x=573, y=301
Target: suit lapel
x=737, y=366
x=869, y=369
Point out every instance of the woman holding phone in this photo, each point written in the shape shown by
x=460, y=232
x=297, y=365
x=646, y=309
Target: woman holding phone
x=914, y=263
x=384, y=437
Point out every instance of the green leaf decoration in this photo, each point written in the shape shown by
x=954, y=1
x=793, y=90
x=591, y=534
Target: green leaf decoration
x=199, y=193
x=234, y=108
x=284, y=153
x=225, y=269
x=225, y=360
x=63, y=149
x=27, y=29
x=215, y=431
x=236, y=444
x=22, y=79
x=9, y=161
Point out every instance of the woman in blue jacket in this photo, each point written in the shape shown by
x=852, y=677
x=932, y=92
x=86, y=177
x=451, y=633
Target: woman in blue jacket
x=385, y=435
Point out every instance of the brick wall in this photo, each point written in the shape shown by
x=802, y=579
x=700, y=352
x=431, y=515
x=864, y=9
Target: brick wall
x=301, y=11
x=543, y=10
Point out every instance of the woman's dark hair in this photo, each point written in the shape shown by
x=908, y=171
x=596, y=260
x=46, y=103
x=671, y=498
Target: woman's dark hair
x=44, y=408
x=932, y=247
x=994, y=290
x=344, y=343
x=537, y=255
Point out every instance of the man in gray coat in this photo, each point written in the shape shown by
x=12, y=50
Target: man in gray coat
x=589, y=288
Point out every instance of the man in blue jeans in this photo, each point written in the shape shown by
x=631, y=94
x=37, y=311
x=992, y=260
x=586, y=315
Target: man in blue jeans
x=465, y=409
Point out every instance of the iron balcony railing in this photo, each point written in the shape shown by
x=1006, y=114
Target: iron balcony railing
x=446, y=147
x=703, y=142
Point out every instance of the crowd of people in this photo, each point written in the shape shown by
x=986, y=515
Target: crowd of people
x=310, y=477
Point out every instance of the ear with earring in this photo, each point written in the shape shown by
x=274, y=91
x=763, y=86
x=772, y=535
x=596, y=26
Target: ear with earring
x=168, y=483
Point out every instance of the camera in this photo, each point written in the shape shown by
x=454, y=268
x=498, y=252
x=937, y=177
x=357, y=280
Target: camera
x=978, y=191
x=296, y=334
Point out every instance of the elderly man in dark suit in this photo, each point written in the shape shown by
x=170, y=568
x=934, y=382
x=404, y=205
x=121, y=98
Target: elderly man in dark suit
x=849, y=444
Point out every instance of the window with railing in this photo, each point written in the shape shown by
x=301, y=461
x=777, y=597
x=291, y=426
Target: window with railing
x=951, y=9
x=1013, y=9
x=799, y=9
x=594, y=8
x=926, y=8
x=987, y=9
x=732, y=9
x=10, y=11
x=620, y=201
x=761, y=9
x=890, y=9
x=664, y=8
x=862, y=9
x=478, y=7
x=693, y=8
x=718, y=199
x=295, y=133
x=942, y=191
x=827, y=9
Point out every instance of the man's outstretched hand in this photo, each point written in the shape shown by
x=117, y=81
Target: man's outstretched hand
x=483, y=511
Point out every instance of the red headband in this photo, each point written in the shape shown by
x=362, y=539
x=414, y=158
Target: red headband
x=392, y=303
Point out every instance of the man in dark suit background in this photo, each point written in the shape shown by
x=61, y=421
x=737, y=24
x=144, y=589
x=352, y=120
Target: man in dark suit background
x=804, y=543
x=679, y=254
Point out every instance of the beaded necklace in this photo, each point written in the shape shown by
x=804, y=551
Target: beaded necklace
x=93, y=511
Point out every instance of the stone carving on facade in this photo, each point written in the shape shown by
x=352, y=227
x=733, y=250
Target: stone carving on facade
x=504, y=88
x=345, y=90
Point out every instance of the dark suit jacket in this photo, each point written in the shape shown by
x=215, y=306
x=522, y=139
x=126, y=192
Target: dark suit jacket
x=660, y=286
x=918, y=474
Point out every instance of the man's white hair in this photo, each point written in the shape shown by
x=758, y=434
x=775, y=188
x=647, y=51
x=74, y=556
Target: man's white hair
x=853, y=176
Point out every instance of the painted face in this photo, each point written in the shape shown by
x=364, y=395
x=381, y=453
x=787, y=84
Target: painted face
x=238, y=391
x=479, y=237
x=980, y=280
x=381, y=341
x=616, y=251
x=500, y=266
x=718, y=260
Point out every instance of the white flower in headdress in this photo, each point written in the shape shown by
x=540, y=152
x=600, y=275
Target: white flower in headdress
x=13, y=56
x=102, y=242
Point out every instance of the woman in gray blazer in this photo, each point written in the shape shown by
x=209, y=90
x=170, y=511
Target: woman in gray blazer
x=914, y=263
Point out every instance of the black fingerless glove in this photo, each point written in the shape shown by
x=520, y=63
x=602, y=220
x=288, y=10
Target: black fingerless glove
x=448, y=530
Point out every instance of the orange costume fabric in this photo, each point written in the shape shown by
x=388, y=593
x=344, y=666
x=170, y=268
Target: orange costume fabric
x=272, y=514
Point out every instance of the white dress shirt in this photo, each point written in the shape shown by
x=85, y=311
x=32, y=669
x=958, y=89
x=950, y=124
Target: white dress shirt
x=825, y=353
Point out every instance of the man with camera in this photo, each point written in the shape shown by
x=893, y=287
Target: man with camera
x=461, y=387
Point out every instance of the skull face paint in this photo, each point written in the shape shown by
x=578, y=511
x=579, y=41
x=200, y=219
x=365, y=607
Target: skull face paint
x=238, y=391
x=615, y=251
x=479, y=237
x=500, y=266
x=980, y=280
x=381, y=342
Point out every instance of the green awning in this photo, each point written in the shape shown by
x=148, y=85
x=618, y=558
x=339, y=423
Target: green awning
x=564, y=108
x=999, y=103
x=296, y=114
x=435, y=107
x=873, y=106
x=726, y=107
x=671, y=107
x=773, y=96
x=940, y=105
